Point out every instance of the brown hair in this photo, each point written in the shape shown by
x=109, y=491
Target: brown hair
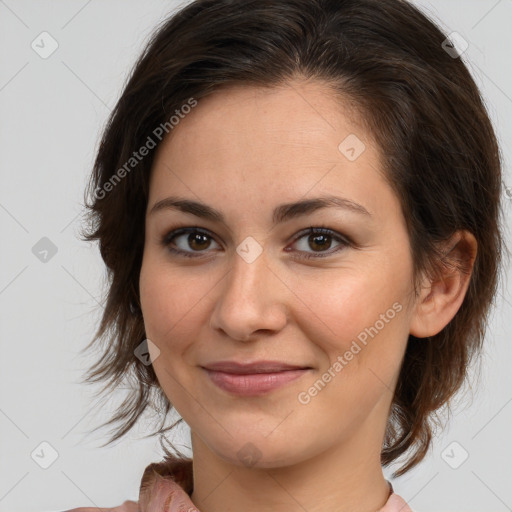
x=421, y=104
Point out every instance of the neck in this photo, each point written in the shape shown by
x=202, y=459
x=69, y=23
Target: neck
x=344, y=478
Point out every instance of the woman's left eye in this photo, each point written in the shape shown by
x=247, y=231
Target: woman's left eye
x=317, y=238
x=320, y=238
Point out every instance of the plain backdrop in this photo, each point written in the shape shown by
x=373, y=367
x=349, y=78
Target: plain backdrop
x=52, y=111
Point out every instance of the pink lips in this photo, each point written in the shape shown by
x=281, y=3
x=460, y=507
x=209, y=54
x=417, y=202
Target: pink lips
x=254, y=378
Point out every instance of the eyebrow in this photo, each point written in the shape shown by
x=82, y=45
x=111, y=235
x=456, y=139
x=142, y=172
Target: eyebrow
x=281, y=213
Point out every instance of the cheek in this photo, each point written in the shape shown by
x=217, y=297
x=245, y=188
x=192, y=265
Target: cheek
x=342, y=307
x=360, y=332
x=171, y=300
x=163, y=298
x=360, y=317
x=167, y=307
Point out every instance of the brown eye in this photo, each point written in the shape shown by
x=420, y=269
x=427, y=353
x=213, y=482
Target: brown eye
x=320, y=241
x=198, y=241
x=191, y=238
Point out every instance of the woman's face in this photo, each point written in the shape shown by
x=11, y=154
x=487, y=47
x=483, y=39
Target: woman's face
x=259, y=286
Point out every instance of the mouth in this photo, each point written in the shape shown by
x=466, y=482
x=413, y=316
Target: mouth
x=250, y=368
x=254, y=382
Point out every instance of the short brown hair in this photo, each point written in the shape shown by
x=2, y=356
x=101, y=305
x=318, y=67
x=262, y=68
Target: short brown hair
x=441, y=158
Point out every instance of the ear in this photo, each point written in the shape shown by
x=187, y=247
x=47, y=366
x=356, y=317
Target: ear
x=441, y=298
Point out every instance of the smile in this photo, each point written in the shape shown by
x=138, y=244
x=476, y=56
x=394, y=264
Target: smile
x=253, y=384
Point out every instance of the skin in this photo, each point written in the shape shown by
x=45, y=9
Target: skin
x=243, y=151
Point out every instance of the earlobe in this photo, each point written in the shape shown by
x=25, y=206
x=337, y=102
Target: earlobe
x=441, y=298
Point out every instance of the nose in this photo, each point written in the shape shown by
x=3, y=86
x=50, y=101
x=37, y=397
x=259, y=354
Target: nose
x=251, y=300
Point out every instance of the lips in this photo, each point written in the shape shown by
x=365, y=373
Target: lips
x=238, y=368
x=253, y=384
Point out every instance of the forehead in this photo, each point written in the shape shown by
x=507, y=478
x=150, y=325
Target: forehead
x=303, y=112
x=270, y=145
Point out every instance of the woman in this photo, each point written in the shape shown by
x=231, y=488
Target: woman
x=298, y=203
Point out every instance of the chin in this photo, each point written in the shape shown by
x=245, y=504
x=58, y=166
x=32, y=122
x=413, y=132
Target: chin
x=259, y=452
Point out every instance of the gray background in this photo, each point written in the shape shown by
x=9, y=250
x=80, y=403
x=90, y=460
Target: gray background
x=52, y=111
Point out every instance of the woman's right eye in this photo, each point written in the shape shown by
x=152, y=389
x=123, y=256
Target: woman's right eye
x=194, y=238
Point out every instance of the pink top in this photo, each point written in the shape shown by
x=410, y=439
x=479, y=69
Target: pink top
x=174, y=491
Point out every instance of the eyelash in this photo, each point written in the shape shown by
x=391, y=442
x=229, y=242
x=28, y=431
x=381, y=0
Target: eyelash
x=320, y=230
